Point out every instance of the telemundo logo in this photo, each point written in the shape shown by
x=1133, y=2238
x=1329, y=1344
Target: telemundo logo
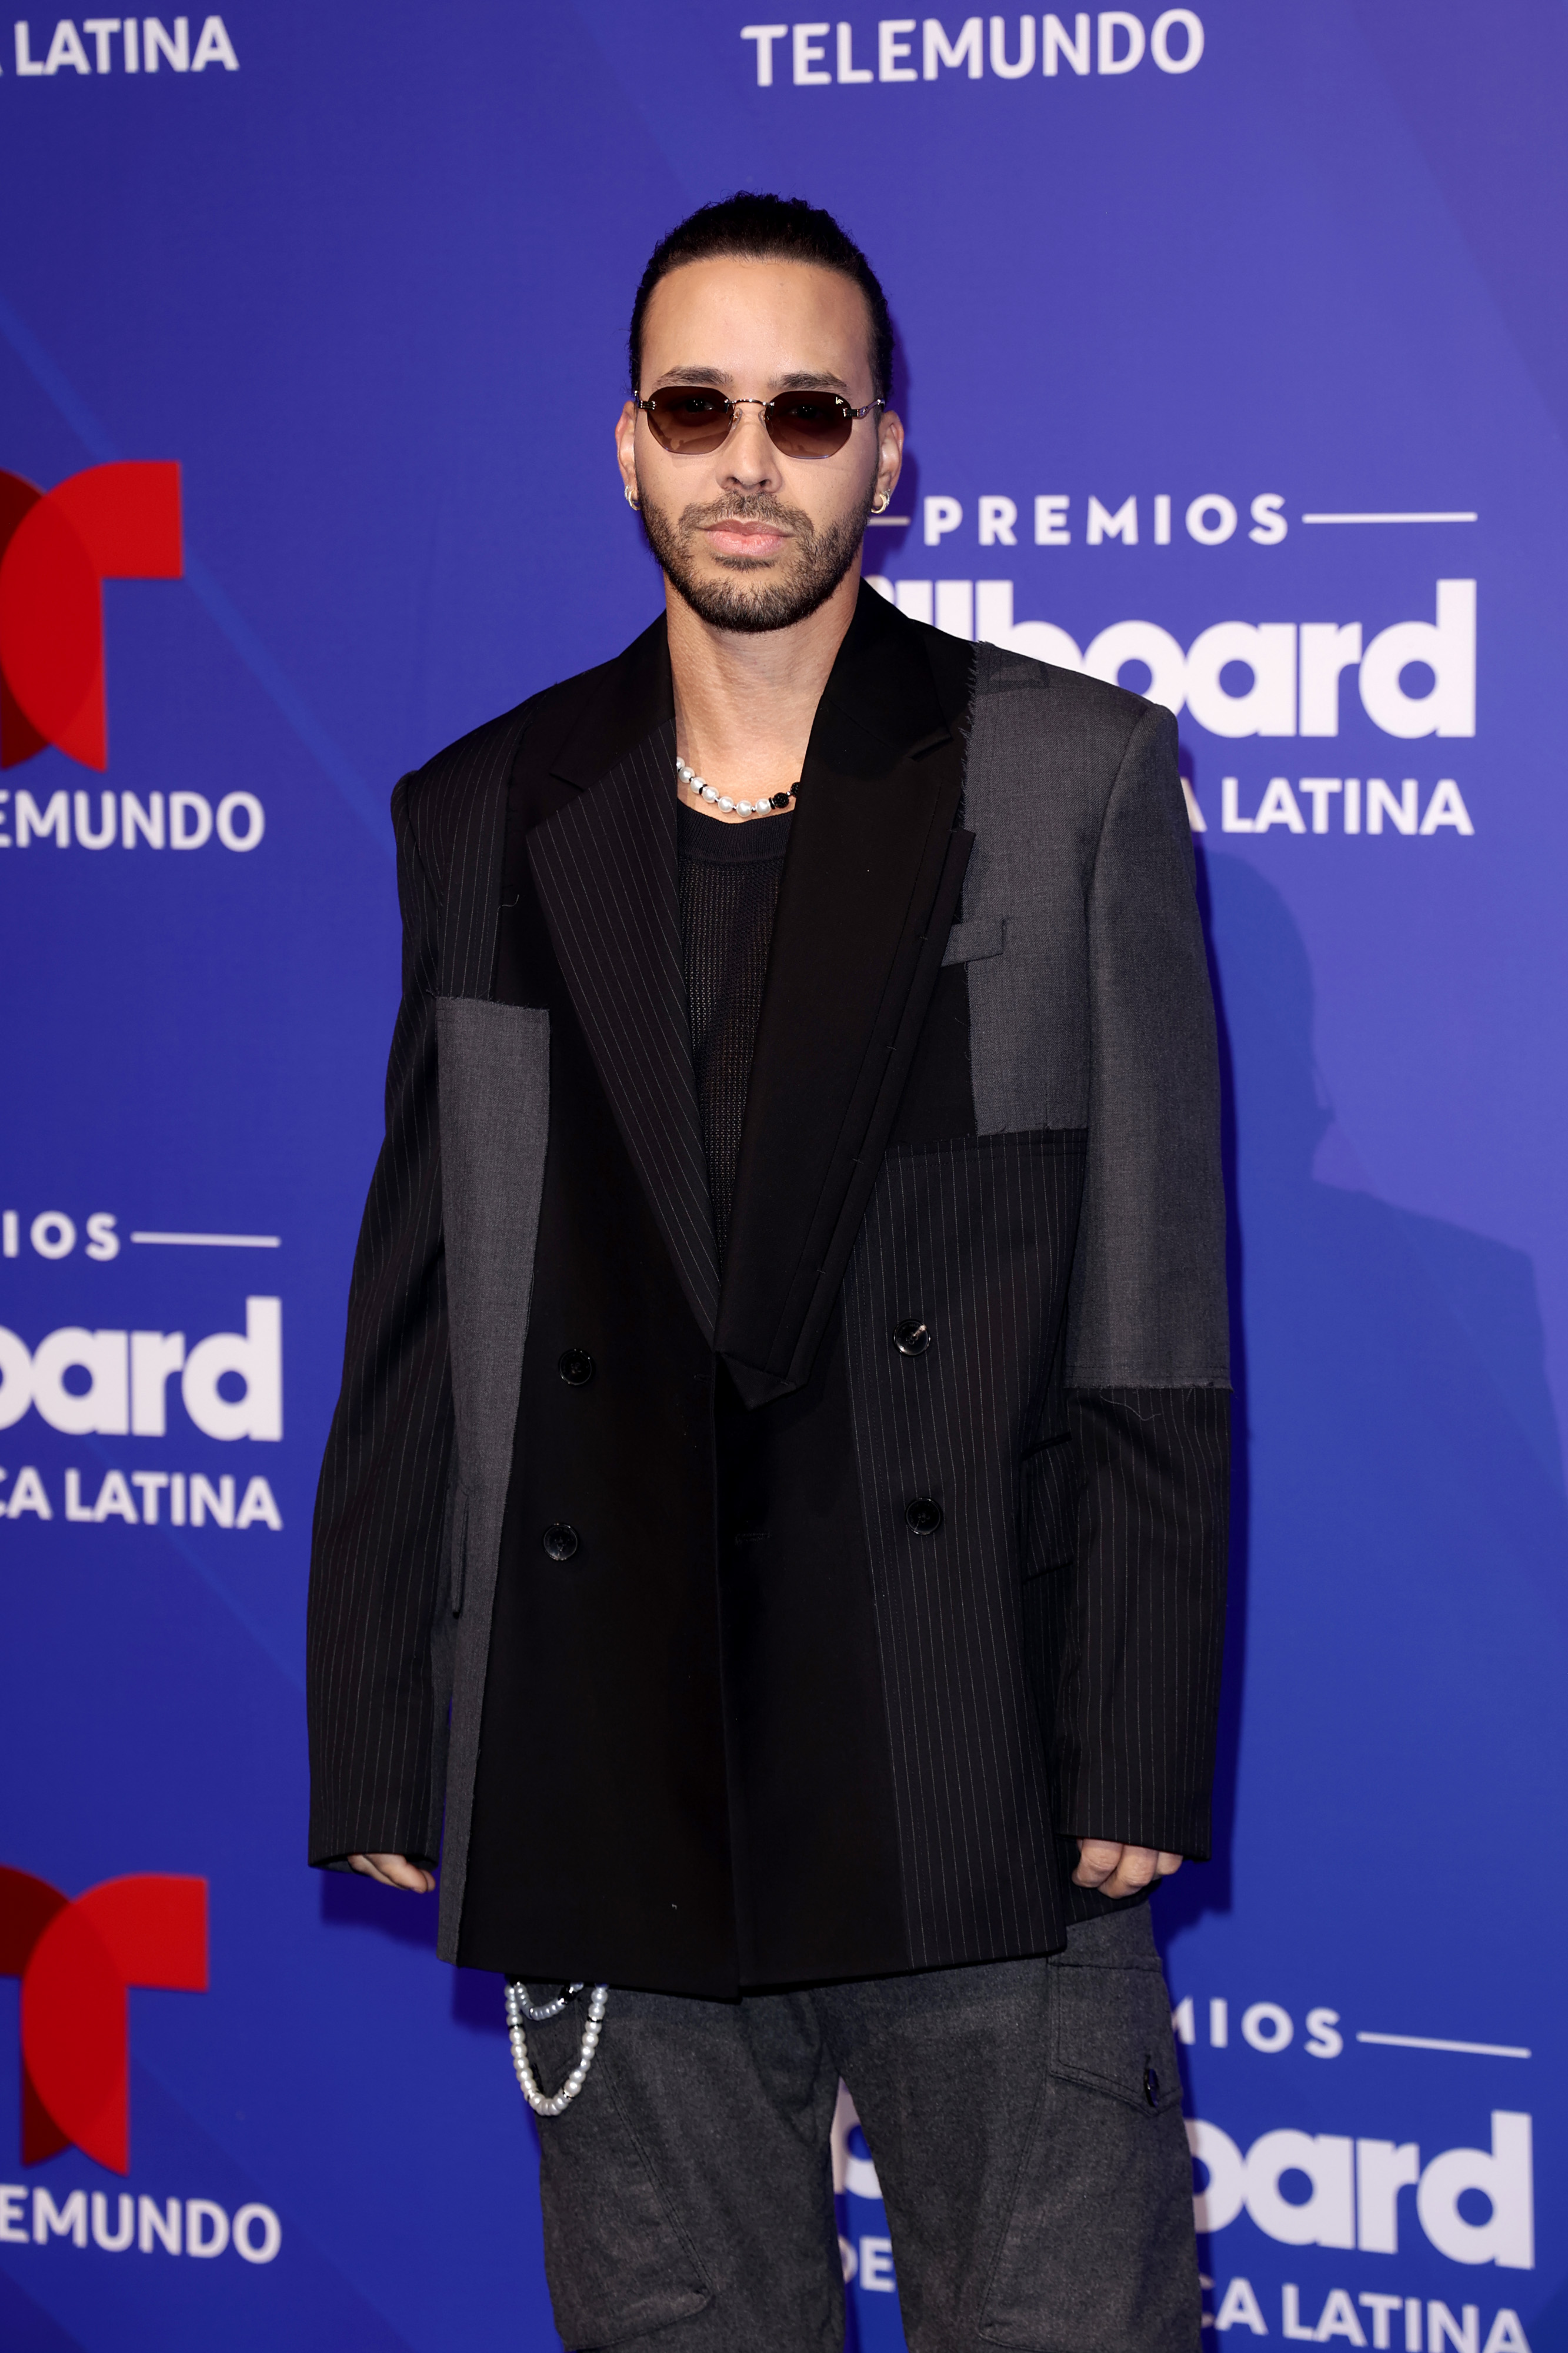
x=1112, y=42
x=106, y=820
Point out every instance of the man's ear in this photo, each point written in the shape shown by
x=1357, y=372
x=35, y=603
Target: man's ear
x=889, y=452
x=626, y=448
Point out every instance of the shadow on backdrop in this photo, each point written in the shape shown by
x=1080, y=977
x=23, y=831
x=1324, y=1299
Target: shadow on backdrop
x=1391, y=1402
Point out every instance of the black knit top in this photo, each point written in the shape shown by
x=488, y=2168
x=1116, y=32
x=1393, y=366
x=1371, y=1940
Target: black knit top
x=729, y=890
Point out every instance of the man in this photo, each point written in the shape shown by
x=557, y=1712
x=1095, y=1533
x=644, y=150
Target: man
x=771, y=1544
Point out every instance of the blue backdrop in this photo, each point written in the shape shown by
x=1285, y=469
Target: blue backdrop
x=1232, y=343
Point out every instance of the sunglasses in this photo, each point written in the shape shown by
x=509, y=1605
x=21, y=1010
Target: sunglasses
x=692, y=420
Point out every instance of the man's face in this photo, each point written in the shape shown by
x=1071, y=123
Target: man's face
x=753, y=540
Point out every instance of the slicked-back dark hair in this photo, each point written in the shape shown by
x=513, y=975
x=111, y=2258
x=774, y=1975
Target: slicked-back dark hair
x=768, y=228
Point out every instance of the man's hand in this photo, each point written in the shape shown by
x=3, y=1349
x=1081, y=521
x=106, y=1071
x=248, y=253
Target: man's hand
x=1105, y=1863
x=395, y=1871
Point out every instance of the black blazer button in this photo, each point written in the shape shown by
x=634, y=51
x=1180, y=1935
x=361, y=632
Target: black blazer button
x=560, y=1540
x=1150, y=2087
x=924, y=1516
x=576, y=1367
x=912, y=1338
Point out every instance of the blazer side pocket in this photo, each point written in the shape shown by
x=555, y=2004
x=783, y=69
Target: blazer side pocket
x=1048, y=1505
x=973, y=942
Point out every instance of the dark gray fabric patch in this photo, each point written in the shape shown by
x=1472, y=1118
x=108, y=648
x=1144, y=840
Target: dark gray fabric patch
x=495, y=1127
x=1028, y=800
x=1096, y=1012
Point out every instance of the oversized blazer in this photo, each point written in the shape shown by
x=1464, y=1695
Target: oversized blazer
x=983, y=1110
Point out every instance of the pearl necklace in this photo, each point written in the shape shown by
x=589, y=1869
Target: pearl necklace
x=705, y=792
x=518, y=2009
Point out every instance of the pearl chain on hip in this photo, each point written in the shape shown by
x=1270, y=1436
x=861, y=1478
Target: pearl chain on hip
x=705, y=792
x=519, y=2008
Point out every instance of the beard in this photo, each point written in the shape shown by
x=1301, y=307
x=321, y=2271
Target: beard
x=822, y=559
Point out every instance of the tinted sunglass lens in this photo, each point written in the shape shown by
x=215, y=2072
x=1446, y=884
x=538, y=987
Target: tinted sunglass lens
x=688, y=419
x=809, y=424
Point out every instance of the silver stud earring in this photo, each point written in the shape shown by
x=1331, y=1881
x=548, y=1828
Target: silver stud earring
x=632, y=500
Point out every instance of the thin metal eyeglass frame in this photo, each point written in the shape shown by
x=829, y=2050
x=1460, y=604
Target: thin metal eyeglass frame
x=767, y=406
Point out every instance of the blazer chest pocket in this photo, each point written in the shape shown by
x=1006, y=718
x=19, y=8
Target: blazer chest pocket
x=975, y=943
x=1048, y=1505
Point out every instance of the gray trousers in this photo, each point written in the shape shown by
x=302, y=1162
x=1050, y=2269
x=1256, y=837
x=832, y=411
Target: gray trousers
x=1025, y=2122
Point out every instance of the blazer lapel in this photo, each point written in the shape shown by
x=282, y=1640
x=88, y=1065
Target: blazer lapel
x=870, y=890
x=605, y=870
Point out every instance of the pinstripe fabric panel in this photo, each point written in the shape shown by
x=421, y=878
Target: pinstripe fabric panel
x=976, y=1239
x=1126, y=1642
x=473, y=840
x=604, y=867
x=380, y=1505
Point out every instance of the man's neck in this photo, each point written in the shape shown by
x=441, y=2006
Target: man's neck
x=744, y=701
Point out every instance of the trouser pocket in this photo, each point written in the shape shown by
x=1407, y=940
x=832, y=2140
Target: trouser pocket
x=1099, y=2254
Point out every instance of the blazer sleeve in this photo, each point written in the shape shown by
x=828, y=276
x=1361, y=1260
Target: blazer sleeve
x=1136, y=1621
x=377, y=1538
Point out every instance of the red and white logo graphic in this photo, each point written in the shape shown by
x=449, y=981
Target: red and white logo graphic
x=76, y=1961
x=57, y=549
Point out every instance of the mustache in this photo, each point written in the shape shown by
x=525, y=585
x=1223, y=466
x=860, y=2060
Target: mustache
x=761, y=510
